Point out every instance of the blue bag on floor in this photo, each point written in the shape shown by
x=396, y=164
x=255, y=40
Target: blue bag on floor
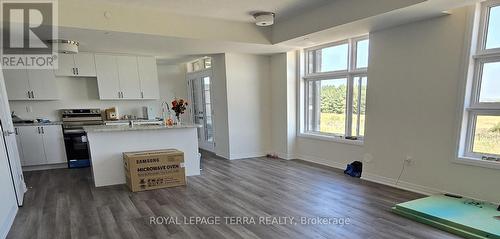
x=354, y=169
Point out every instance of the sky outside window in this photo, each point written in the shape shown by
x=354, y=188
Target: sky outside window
x=493, y=37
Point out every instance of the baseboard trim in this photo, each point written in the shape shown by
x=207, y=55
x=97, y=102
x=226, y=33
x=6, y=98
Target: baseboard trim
x=247, y=155
x=45, y=167
x=286, y=156
x=401, y=184
x=372, y=177
x=8, y=222
x=321, y=161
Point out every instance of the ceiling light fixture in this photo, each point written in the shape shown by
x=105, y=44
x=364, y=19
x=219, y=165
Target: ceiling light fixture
x=264, y=19
x=66, y=46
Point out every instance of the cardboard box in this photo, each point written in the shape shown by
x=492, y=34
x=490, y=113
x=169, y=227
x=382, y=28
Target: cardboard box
x=147, y=170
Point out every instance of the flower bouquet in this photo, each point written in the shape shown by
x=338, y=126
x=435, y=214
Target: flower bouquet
x=179, y=106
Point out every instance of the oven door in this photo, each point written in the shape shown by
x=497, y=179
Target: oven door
x=76, y=147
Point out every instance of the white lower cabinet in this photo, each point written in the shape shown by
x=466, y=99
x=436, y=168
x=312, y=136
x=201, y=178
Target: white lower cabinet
x=41, y=145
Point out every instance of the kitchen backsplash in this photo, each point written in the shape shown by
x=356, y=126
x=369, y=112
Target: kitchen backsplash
x=77, y=93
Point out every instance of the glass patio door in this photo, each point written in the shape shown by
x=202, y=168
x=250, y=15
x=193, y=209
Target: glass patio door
x=199, y=85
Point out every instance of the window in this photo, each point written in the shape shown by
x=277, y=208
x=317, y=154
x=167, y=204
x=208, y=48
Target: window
x=335, y=89
x=207, y=62
x=481, y=133
x=199, y=64
x=195, y=66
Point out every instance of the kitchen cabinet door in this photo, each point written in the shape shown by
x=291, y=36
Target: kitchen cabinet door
x=129, y=77
x=43, y=84
x=107, y=77
x=19, y=145
x=85, y=64
x=148, y=76
x=16, y=83
x=53, y=143
x=32, y=142
x=66, y=64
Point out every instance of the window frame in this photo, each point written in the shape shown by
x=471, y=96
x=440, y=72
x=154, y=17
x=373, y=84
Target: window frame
x=349, y=74
x=483, y=27
x=472, y=105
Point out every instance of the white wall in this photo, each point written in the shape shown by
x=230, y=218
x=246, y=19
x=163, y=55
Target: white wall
x=283, y=103
x=413, y=97
x=219, y=101
x=83, y=93
x=8, y=203
x=173, y=84
x=249, y=104
x=415, y=73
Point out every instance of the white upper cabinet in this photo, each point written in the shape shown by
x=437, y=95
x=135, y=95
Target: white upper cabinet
x=31, y=84
x=81, y=64
x=148, y=76
x=107, y=77
x=85, y=64
x=16, y=83
x=129, y=77
x=43, y=85
x=126, y=77
x=66, y=65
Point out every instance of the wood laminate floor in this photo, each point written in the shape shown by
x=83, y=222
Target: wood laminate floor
x=64, y=203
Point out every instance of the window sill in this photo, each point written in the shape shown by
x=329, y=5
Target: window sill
x=331, y=139
x=477, y=162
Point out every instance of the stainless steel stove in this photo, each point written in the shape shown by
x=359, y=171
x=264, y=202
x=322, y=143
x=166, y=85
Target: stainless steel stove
x=75, y=138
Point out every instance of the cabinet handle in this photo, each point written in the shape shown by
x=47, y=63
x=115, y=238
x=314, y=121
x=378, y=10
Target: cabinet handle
x=74, y=73
x=29, y=95
x=119, y=95
x=43, y=131
x=142, y=94
x=15, y=131
x=38, y=130
x=32, y=95
x=122, y=94
x=78, y=73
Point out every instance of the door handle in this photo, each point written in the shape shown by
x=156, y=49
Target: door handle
x=8, y=133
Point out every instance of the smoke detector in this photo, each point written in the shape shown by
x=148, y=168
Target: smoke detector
x=264, y=19
x=66, y=46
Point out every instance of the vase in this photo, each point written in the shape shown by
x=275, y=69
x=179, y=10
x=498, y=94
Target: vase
x=178, y=120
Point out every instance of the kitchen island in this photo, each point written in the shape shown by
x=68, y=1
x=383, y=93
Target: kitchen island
x=108, y=142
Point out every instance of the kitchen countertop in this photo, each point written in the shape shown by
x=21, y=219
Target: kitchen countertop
x=122, y=128
x=38, y=124
x=135, y=120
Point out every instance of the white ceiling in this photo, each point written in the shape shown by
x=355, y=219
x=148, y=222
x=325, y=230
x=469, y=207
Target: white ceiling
x=170, y=49
x=235, y=10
